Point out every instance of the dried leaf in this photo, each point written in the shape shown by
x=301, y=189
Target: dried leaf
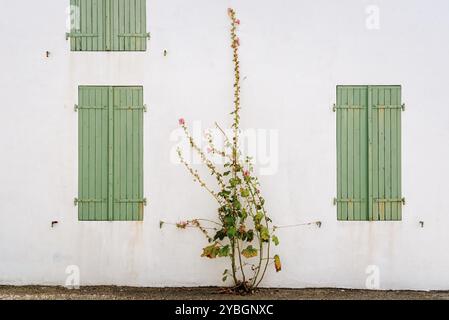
x=277, y=263
x=249, y=252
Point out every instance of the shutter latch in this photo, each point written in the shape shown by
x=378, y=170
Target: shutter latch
x=403, y=107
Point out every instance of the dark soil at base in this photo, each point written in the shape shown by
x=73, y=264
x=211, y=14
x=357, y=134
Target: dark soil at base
x=130, y=293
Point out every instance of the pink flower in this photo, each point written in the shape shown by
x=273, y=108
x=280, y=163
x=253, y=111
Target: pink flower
x=209, y=150
x=182, y=122
x=237, y=21
x=246, y=173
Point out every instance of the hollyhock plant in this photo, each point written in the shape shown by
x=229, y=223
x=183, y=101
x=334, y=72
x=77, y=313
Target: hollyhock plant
x=243, y=232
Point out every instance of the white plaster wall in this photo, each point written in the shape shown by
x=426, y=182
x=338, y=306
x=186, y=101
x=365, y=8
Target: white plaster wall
x=293, y=54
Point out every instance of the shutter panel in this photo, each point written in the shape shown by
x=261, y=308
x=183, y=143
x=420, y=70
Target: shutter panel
x=386, y=152
x=128, y=154
x=108, y=25
x=128, y=25
x=93, y=153
x=88, y=24
x=352, y=153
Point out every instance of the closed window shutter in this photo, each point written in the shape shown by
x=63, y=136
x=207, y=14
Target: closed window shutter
x=369, y=153
x=386, y=152
x=110, y=154
x=108, y=25
x=87, y=25
x=352, y=158
x=128, y=154
x=128, y=25
x=93, y=153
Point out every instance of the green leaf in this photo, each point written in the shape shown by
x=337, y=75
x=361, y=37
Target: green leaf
x=229, y=220
x=244, y=193
x=249, y=252
x=265, y=234
x=275, y=240
x=225, y=272
x=211, y=252
x=224, y=278
x=227, y=173
x=243, y=214
x=234, y=182
x=250, y=236
x=224, y=251
x=221, y=234
x=231, y=232
x=258, y=217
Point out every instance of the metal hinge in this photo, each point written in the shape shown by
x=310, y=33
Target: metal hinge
x=137, y=35
x=346, y=107
x=402, y=200
x=77, y=108
x=143, y=201
x=78, y=201
x=132, y=108
x=69, y=35
x=336, y=201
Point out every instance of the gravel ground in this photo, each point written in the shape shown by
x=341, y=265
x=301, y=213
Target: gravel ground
x=127, y=293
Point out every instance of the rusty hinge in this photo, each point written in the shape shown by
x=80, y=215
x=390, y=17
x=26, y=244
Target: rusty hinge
x=336, y=201
x=133, y=108
x=402, y=200
x=78, y=201
x=78, y=35
x=136, y=35
x=143, y=201
x=77, y=108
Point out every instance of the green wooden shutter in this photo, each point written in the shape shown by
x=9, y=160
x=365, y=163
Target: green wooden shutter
x=128, y=25
x=352, y=159
x=128, y=153
x=88, y=25
x=93, y=153
x=386, y=152
x=110, y=154
x=108, y=25
x=369, y=153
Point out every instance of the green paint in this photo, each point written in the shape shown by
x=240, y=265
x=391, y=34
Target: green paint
x=110, y=154
x=109, y=25
x=369, y=153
